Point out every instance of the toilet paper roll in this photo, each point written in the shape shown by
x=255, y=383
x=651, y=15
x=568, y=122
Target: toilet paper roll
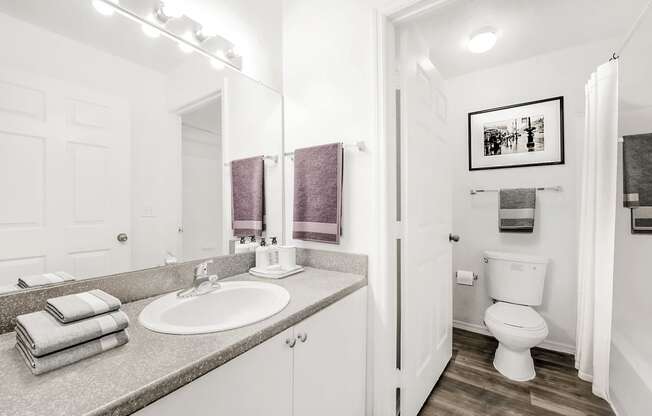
x=465, y=277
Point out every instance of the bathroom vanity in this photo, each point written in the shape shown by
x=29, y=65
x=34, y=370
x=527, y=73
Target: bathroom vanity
x=315, y=367
x=307, y=359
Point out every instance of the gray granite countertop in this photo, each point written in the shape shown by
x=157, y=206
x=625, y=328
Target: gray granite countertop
x=151, y=365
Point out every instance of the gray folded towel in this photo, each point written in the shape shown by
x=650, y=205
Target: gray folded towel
x=516, y=212
x=9, y=289
x=43, y=334
x=83, y=305
x=318, y=193
x=637, y=170
x=40, y=365
x=44, y=279
x=248, y=196
x=642, y=220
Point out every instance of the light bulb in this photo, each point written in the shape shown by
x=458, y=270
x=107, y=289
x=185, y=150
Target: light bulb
x=217, y=64
x=103, y=8
x=482, y=42
x=173, y=8
x=149, y=31
x=205, y=32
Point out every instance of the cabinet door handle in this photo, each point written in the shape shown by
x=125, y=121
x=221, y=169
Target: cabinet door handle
x=290, y=342
x=303, y=337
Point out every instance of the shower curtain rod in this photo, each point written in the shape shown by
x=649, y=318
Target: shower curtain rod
x=631, y=32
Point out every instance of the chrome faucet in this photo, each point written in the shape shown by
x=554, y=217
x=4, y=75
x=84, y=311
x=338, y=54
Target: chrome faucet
x=202, y=282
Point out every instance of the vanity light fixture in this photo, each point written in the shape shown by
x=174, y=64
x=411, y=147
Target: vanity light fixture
x=205, y=32
x=482, y=41
x=169, y=9
x=232, y=53
x=103, y=8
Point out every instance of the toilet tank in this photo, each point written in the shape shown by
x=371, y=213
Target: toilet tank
x=515, y=278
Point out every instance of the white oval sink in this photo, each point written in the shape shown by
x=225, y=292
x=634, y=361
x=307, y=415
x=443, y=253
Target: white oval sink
x=233, y=305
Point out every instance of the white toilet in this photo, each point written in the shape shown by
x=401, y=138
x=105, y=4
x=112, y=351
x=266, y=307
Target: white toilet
x=516, y=284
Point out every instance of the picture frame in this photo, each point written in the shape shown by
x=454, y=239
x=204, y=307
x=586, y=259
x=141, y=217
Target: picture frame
x=519, y=135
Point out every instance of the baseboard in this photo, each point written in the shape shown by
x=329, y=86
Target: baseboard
x=546, y=345
x=615, y=405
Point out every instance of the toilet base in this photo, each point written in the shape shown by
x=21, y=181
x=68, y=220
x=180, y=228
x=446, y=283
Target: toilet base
x=515, y=365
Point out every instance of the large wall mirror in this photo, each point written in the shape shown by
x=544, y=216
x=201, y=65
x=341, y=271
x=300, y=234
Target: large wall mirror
x=117, y=142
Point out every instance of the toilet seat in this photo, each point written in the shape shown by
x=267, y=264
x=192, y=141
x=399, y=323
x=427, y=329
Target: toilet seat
x=520, y=317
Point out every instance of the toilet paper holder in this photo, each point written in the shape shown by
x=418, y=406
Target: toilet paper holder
x=475, y=275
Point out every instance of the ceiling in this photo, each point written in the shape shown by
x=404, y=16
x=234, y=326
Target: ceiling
x=115, y=35
x=525, y=28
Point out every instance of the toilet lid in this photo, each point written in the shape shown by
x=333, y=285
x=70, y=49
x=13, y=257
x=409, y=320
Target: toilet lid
x=515, y=315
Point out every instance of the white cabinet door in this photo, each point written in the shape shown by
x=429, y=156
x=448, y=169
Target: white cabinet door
x=329, y=366
x=256, y=383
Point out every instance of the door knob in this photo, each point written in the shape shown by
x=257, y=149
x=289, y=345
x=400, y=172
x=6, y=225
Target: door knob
x=453, y=238
x=303, y=337
x=290, y=342
x=122, y=237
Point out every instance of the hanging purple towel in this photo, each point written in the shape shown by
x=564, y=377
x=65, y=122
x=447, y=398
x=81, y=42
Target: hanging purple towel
x=318, y=193
x=248, y=196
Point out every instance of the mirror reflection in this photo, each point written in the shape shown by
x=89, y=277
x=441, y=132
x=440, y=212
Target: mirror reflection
x=122, y=149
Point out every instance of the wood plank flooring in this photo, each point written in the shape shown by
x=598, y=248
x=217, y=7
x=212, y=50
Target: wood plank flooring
x=470, y=386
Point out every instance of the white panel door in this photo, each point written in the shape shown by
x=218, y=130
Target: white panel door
x=426, y=315
x=329, y=360
x=202, y=193
x=64, y=177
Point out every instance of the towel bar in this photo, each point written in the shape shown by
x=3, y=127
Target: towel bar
x=273, y=158
x=546, y=188
x=361, y=146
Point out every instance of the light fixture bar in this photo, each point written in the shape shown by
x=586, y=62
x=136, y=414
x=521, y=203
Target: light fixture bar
x=170, y=35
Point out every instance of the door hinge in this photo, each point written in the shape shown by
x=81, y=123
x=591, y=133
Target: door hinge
x=398, y=229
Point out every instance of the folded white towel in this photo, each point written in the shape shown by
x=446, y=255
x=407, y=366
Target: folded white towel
x=44, y=279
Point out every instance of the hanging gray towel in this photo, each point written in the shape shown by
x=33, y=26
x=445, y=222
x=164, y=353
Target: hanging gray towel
x=517, y=207
x=70, y=308
x=42, y=334
x=248, y=196
x=641, y=220
x=637, y=170
x=318, y=193
x=49, y=362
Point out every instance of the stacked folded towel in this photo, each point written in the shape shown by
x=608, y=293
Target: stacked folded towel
x=44, y=279
x=71, y=328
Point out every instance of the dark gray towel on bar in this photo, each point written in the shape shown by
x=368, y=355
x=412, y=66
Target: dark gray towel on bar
x=637, y=170
x=516, y=212
x=43, y=334
x=318, y=193
x=248, y=196
x=44, y=279
x=83, y=305
x=40, y=365
x=642, y=220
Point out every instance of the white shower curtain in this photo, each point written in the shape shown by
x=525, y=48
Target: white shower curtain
x=597, y=228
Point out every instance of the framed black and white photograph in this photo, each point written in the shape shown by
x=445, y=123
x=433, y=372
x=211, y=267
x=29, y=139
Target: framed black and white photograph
x=527, y=134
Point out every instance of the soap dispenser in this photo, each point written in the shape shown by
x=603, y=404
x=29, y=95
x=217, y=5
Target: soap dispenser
x=262, y=255
x=273, y=252
x=241, y=246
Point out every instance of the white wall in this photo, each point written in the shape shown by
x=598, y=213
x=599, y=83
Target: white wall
x=31, y=49
x=562, y=73
x=329, y=81
x=254, y=26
